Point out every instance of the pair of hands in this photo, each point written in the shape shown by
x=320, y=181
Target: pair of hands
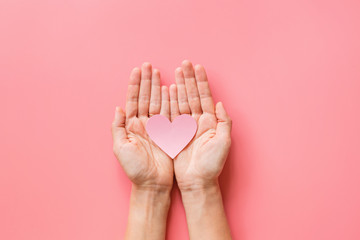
x=146, y=165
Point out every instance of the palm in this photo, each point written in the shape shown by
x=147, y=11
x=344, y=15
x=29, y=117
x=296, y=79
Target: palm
x=152, y=166
x=194, y=162
x=142, y=160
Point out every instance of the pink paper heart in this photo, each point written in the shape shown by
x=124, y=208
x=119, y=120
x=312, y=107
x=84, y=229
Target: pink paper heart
x=171, y=137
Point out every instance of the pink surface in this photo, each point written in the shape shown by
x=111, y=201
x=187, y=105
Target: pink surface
x=288, y=72
x=173, y=136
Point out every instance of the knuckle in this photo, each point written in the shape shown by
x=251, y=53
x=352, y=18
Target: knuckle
x=194, y=97
x=155, y=101
x=132, y=98
x=144, y=98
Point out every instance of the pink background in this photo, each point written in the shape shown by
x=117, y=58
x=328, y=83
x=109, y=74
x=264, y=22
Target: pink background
x=287, y=71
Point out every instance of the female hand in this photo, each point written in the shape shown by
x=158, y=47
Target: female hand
x=198, y=166
x=144, y=163
x=202, y=161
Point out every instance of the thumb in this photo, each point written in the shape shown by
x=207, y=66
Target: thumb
x=223, y=128
x=118, y=127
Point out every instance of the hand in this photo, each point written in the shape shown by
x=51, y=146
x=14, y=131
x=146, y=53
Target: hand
x=202, y=161
x=145, y=164
x=198, y=166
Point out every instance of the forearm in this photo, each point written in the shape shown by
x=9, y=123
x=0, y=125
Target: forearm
x=205, y=213
x=148, y=213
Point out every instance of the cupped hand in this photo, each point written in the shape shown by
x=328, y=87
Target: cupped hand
x=144, y=162
x=202, y=161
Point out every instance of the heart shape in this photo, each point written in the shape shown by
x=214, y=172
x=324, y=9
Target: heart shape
x=171, y=137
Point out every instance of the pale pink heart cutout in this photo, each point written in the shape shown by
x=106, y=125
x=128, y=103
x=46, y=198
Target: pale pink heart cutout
x=171, y=137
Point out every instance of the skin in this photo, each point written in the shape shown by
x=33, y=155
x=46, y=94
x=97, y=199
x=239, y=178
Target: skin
x=196, y=168
x=199, y=165
x=148, y=167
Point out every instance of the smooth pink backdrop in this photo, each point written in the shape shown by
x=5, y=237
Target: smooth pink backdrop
x=287, y=71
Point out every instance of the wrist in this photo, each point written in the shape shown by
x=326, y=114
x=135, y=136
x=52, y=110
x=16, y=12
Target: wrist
x=195, y=195
x=204, y=209
x=151, y=196
x=149, y=206
x=152, y=188
x=199, y=185
x=200, y=194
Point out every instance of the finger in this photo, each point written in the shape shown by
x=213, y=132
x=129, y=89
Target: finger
x=223, y=128
x=184, y=107
x=133, y=93
x=118, y=128
x=207, y=103
x=191, y=88
x=174, y=107
x=155, y=99
x=165, y=102
x=145, y=86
